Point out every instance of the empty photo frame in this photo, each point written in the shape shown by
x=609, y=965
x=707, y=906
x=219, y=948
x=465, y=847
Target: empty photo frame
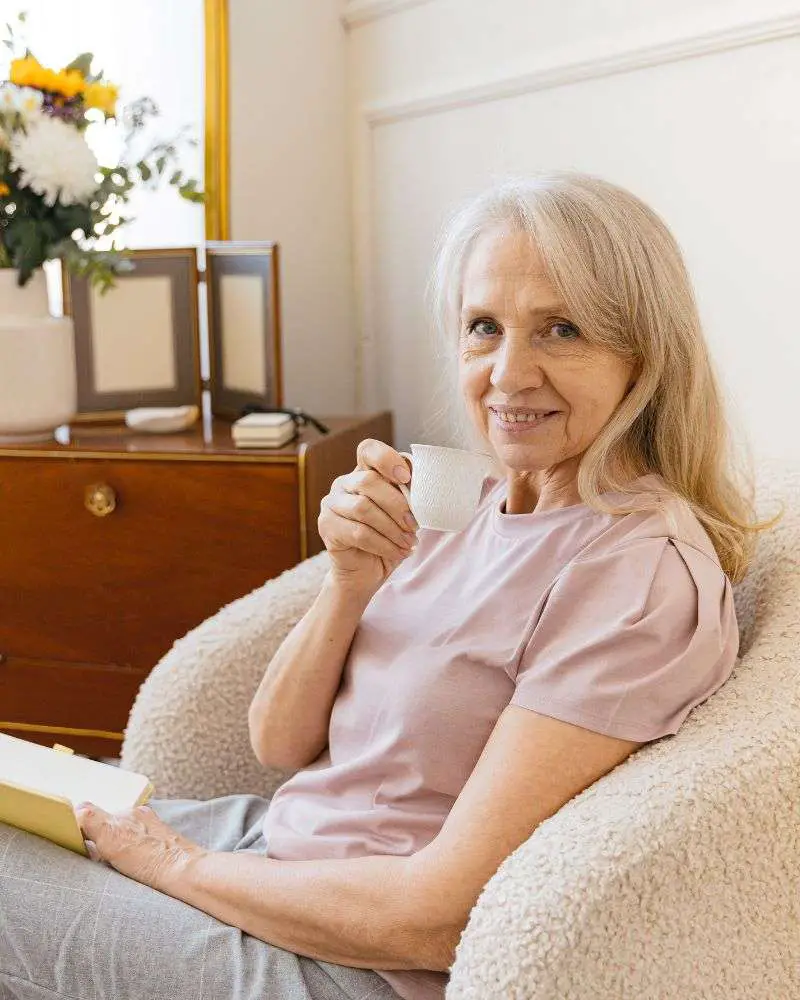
x=243, y=326
x=137, y=345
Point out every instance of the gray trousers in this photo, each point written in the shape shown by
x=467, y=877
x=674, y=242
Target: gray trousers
x=78, y=929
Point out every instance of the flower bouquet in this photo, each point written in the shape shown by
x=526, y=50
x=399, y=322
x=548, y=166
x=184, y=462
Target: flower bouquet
x=56, y=200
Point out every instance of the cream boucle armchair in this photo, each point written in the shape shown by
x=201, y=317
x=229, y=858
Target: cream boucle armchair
x=674, y=877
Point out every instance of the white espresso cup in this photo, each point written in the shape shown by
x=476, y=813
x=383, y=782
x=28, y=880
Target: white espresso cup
x=445, y=485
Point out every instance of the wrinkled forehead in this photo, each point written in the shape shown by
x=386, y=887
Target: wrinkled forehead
x=502, y=262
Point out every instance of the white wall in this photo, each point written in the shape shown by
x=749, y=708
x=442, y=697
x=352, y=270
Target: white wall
x=692, y=105
x=290, y=183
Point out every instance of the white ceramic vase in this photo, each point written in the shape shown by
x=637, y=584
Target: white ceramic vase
x=37, y=362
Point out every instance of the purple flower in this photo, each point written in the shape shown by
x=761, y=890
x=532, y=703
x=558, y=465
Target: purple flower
x=70, y=111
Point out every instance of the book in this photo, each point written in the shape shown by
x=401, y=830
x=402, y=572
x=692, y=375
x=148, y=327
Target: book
x=40, y=786
x=263, y=442
x=263, y=430
x=265, y=422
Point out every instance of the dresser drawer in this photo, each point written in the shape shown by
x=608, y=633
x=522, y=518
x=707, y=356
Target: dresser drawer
x=184, y=538
x=92, y=698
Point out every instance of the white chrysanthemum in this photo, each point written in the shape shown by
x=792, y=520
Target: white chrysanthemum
x=55, y=162
x=22, y=100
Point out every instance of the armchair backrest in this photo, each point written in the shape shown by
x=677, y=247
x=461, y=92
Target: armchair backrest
x=771, y=589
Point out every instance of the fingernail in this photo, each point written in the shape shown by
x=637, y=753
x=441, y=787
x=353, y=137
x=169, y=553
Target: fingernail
x=84, y=805
x=411, y=539
x=401, y=472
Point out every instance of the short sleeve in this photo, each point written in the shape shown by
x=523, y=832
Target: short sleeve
x=630, y=640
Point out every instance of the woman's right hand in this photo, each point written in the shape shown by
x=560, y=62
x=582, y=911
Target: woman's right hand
x=365, y=521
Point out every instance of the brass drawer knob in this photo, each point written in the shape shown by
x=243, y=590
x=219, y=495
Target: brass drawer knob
x=100, y=499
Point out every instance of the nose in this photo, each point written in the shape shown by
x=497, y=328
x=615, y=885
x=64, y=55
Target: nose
x=516, y=366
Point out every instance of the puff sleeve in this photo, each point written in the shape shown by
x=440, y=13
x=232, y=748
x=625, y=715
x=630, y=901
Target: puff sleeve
x=630, y=640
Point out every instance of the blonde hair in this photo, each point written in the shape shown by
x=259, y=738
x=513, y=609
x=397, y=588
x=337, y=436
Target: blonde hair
x=621, y=274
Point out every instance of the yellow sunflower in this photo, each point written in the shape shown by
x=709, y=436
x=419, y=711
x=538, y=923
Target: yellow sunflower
x=102, y=96
x=29, y=72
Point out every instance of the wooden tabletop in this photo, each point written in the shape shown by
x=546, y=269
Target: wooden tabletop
x=210, y=438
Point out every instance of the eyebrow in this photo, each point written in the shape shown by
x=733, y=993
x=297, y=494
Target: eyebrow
x=480, y=310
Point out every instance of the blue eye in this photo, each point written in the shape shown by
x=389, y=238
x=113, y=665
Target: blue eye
x=571, y=331
x=483, y=327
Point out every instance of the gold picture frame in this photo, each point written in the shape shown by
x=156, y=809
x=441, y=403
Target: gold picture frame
x=217, y=121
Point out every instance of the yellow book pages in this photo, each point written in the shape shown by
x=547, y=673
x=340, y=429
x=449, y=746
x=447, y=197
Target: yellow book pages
x=39, y=788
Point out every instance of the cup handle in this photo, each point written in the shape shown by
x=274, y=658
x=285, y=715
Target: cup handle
x=405, y=490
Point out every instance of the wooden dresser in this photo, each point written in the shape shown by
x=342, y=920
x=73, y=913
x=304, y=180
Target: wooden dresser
x=115, y=544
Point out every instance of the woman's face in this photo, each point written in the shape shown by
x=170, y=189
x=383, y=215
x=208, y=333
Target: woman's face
x=532, y=384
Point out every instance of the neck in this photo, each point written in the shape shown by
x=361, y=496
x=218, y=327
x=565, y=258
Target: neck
x=542, y=490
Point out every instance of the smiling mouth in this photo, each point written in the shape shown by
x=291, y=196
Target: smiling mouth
x=519, y=420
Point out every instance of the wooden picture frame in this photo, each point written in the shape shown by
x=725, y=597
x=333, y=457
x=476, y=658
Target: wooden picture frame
x=244, y=334
x=139, y=344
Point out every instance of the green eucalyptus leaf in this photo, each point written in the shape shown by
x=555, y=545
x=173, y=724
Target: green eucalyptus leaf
x=191, y=195
x=82, y=63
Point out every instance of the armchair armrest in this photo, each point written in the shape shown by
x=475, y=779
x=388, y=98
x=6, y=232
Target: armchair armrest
x=188, y=729
x=675, y=875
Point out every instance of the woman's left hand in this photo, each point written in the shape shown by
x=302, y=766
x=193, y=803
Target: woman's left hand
x=137, y=843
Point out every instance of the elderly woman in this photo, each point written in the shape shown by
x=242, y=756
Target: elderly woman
x=446, y=692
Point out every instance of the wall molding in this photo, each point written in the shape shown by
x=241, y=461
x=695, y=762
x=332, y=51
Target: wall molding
x=640, y=57
x=358, y=12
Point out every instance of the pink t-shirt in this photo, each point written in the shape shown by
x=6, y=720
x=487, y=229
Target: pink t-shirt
x=616, y=624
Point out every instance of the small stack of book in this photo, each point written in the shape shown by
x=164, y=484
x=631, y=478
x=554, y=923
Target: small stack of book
x=263, y=430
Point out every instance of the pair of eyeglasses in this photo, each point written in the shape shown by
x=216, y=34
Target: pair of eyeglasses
x=301, y=419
